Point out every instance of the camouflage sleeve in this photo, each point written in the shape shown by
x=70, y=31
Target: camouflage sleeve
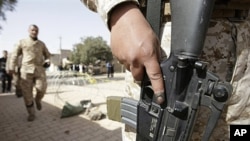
x=103, y=7
x=14, y=56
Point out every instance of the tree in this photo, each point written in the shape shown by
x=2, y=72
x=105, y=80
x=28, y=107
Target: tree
x=91, y=49
x=6, y=5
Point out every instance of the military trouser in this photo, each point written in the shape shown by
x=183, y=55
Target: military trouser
x=28, y=81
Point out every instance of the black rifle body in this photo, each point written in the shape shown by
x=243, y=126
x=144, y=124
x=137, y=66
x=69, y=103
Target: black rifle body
x=188, y=83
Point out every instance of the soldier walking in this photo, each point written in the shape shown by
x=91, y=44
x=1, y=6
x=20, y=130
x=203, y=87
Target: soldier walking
x=34, y=57
x=4, y=76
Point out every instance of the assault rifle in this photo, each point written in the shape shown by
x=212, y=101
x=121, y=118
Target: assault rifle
x=188, y=83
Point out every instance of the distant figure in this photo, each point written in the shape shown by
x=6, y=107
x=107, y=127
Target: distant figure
x=16, y=76
x=76, y=68
x=35, y=59
x=110, y=69
x=59, y=67
x=83, y=68
x=4, y=76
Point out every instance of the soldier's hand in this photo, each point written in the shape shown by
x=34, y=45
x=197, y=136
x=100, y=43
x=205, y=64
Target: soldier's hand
x=136, y=46
x=46, y=64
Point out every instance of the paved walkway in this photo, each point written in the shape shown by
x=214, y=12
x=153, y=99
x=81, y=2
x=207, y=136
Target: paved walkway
x=48, y=126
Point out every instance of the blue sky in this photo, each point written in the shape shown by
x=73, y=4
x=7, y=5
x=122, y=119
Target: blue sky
x=68, y=19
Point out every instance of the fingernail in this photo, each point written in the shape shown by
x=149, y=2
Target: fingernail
x=160, y=97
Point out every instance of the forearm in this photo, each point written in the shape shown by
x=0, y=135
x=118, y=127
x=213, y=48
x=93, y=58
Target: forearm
x=104, y=7
x=127, y=14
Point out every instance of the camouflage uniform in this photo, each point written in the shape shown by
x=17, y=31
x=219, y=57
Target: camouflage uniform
x=225, y=42
x=227, y=50
x=238, y=109
x=32, y=71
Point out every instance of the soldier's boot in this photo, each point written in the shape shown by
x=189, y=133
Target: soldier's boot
x=31, y=112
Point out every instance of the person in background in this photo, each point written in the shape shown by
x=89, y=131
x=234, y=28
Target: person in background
x=16, y=76
x=4, y=76
x=83, y=67
x=35, y=59
x=109, y=66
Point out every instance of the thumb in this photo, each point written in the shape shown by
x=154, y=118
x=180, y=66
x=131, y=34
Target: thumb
x=154, y=73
